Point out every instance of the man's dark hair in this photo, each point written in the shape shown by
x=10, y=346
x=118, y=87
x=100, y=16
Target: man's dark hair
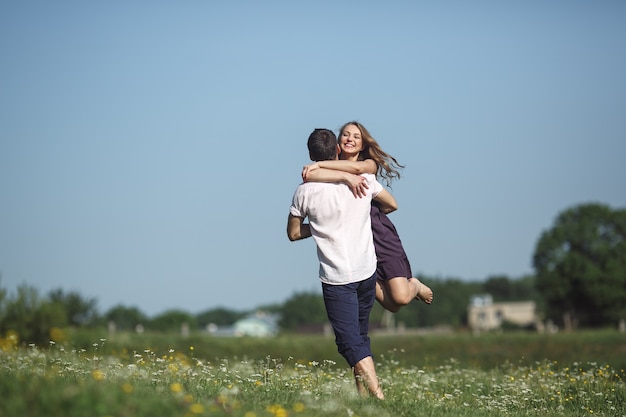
x=322, y=145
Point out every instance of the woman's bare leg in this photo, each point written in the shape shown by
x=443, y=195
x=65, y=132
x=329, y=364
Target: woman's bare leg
x=424, y=293
x=397, y=292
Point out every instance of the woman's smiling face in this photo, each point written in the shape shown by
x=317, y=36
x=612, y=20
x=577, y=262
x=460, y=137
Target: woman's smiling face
x=350, y=141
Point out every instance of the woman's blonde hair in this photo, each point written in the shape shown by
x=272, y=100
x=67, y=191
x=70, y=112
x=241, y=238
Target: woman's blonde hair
x=387, y=167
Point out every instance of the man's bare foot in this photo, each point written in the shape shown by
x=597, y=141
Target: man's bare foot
x=424, y=293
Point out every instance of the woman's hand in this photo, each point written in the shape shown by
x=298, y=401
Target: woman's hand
x=308, y=169
x=357, y=184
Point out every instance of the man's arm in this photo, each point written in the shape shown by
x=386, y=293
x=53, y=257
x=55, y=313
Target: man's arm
x=297, y=229
x=386, y=201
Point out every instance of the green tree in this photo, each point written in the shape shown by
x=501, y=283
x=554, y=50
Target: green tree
x=220, y=316
x=502, y=288
x=525, y=288
x=126, y=318
x=303, y=308
x=580, y=265
x=172, y=320
x=80, y=311
x=449, y=307
x=31, y=316
x=3, y=295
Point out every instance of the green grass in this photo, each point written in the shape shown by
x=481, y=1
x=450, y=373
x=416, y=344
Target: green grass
x=485, y=351
x=156, y=375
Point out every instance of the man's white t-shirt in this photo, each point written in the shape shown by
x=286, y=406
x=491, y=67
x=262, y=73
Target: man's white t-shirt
x=341, y=227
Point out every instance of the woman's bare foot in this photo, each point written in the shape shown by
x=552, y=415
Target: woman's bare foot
x=424, y=293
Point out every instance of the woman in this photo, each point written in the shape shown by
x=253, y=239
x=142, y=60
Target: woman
x=360, y=153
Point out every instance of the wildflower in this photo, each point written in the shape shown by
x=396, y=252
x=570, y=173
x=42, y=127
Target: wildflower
x=97, y=374
x=10, y=341
x=196, y=408
x=176, y=387
x=127, y=388
x=277, y=410
x=298, y=407
x=57, y=335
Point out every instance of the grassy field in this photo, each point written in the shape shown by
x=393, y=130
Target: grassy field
x=485, y=351
x=517, y=374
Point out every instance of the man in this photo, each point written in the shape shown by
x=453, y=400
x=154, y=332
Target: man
x=340, y=225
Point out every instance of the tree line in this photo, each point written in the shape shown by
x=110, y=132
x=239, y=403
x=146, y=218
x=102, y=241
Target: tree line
x=579, y=281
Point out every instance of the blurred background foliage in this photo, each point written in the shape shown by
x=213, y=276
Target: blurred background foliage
x=579, y=282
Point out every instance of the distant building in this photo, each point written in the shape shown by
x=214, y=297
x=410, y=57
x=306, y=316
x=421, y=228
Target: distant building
x=259, y=324
x=485, y=315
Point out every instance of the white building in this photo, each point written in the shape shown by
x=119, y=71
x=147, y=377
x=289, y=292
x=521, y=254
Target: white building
x=256, y=326
x=484, y=315
x=259, y=324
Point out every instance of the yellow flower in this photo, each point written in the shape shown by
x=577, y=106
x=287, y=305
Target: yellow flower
x=298, y=407
x=10, y=341
x=57, y=335
x=176, y=387
x=250, y=414
x=277, y=410
x=97, y=374
x=127, y=388
x=196, y=408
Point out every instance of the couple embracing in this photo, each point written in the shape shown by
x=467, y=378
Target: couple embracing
x=360, y=253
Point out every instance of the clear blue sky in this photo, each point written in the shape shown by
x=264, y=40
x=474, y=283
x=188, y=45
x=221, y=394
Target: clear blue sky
x=149, y=150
